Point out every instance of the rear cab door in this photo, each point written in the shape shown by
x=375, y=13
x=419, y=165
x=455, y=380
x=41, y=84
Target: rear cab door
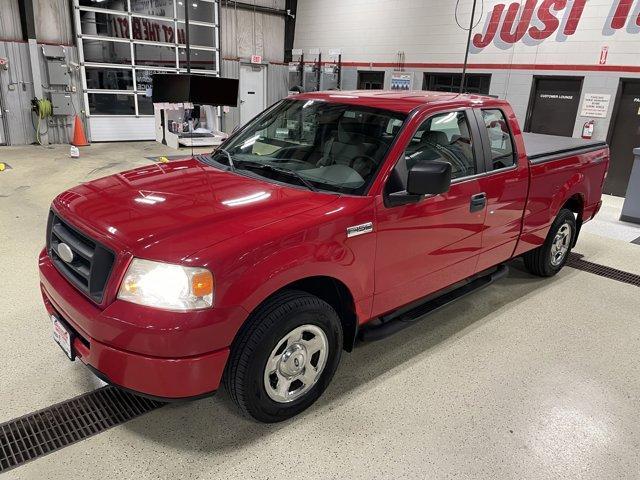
x=505, y=182
x=425, y=246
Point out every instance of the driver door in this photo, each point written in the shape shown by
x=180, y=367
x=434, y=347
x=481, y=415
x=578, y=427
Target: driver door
x=426, y=246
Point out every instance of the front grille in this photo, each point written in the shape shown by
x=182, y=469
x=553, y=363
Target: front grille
x=91, y=264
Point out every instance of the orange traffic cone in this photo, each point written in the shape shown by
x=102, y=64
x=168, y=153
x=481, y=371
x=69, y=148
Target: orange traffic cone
x=79, y=138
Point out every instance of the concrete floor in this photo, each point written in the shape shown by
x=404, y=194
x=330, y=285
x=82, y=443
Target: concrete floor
x=528, y=378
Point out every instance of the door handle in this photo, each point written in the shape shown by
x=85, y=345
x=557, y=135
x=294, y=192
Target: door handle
x=478, y=202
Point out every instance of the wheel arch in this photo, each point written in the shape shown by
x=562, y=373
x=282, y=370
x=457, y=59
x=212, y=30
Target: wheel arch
x=576, y=204
x=333, y=291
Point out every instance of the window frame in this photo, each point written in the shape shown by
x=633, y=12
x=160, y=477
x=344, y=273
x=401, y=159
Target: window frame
x=477, y=149
x=486, y=142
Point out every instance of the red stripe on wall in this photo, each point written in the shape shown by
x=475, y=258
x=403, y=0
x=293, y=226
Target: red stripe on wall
x=497, y=66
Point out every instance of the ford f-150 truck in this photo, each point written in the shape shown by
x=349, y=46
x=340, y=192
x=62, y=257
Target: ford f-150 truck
x=330, y=217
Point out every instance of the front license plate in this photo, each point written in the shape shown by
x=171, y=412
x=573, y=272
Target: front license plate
x=62, y=336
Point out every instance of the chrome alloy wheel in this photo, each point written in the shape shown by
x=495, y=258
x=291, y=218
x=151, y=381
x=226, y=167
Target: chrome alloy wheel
x=561, y=244
x=296, y=363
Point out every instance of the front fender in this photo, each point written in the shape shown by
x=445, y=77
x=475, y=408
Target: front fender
x=254, y=266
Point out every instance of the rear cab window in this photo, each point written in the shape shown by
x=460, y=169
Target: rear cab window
x=500, y=141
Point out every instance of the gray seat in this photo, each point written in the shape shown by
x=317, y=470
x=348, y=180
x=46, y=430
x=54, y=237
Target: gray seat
x=347, y=146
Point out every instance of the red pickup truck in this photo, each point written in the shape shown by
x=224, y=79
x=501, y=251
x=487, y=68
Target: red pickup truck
x=330, y=217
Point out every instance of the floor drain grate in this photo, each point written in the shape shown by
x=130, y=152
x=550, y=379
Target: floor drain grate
x=576, y=261
x=36, y=434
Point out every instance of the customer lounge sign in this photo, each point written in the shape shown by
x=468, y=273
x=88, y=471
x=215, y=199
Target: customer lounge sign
x=533, y=21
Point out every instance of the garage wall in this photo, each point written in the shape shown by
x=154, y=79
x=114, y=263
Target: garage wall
x=53, y=21
x=16, y=92
x=10, y=28
x=244, y=32
x=372, y=33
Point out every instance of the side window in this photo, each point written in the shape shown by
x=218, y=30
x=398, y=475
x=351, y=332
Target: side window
x=502, y=155
x=445, y=136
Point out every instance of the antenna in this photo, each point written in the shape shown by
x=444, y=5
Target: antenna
x=469, y=30
x=466, y=52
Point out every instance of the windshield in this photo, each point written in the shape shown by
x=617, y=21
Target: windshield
x=316, y=144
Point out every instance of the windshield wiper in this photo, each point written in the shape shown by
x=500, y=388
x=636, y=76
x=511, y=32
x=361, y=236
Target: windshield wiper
x=232, y=164
x=285, y=171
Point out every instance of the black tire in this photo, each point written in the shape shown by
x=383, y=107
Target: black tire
x=259, y=336
x=539, y=261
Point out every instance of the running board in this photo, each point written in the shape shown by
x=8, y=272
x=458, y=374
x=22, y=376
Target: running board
x=402, y=321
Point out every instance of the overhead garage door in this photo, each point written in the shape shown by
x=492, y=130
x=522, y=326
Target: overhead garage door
x=123, y=42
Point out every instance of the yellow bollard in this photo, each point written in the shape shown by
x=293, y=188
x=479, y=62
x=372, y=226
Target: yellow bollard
x=163, y=160
x=2, y=166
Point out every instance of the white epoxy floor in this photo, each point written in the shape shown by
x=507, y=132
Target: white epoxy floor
x=527, y=379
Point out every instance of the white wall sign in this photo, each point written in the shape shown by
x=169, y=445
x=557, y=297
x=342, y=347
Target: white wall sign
x=595, y=105
x=401, y=81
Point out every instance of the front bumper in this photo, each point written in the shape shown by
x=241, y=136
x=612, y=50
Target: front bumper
x=166, y=355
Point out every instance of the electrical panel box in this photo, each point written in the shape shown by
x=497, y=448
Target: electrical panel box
x=62, y=103
x=58, y=73
x=53, y=51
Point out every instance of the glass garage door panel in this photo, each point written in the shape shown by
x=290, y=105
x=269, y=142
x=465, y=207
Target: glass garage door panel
x=156, y=8
x=154, y=55
x=145, y=105
x=119, y=5
x=99, y=78
x=101, y=51
x=111, y=104
x=200, y=11
x=200, y=59
x=199, y=35
x=103, y=24
x=153, y=30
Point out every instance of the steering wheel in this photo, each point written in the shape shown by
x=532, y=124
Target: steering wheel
x=372, y=163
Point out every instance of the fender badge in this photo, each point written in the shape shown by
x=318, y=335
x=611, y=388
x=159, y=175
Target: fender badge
x=359, y=229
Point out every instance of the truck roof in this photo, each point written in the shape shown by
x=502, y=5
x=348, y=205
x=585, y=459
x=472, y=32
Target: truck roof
x=400, y=101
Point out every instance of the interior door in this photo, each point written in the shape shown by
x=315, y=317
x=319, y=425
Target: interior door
x=426, y=246
x=625, y=136
x=553, y=105
x=253, y=81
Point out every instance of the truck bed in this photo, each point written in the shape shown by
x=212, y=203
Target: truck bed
x=541, y=148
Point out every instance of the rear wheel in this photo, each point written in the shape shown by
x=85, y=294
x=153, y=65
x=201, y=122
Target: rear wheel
x=550, y=257
x=284, y=357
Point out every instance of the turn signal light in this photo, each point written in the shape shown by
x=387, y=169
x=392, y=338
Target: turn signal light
x=202, y=284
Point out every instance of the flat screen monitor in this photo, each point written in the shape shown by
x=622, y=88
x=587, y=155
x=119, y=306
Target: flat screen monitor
x=198, y=89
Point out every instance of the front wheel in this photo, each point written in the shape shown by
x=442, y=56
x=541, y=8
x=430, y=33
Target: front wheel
x=284, y=357
x=550, y=257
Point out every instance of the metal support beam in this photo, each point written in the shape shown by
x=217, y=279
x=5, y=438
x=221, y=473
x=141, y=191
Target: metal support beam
x=186, y=36
x=27, y=18
x=289, y=29
x=253, y=8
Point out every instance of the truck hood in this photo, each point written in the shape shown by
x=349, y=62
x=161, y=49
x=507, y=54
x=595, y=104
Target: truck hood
x=169, y=211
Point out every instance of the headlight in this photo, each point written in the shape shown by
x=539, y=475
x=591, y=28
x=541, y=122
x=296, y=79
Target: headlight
x=167, y=286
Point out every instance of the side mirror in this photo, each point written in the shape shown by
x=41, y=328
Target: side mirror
x=429, y=178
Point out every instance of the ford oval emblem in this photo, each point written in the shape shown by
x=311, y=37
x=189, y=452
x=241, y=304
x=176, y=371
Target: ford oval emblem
x=65, y=252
